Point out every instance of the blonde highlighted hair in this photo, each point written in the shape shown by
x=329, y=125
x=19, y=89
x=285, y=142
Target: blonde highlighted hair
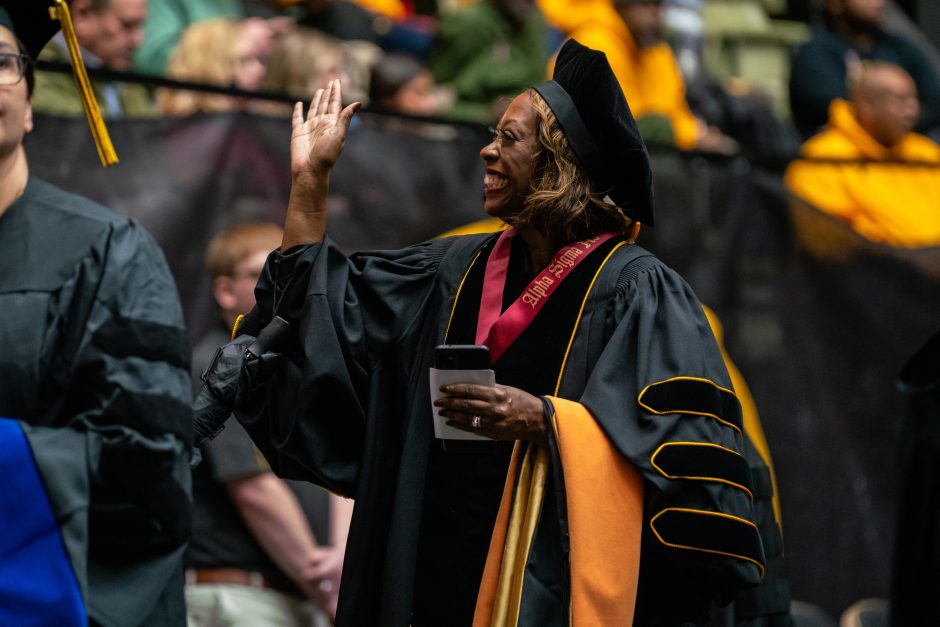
x=561, y=203
x=302, y=61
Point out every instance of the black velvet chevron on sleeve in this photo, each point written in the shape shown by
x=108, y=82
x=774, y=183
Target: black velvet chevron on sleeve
x=689, y=395
x=710, y=532
x=703, y=462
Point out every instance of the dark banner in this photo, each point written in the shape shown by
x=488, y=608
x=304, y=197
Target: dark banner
x=819, y=320
x=398, y=182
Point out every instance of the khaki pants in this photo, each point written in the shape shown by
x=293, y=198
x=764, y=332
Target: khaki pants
x=231, y=605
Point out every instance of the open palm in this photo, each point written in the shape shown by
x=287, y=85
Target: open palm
x=317, y=141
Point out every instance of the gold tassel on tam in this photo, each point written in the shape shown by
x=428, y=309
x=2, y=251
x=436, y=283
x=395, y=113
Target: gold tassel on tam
x=99, y=131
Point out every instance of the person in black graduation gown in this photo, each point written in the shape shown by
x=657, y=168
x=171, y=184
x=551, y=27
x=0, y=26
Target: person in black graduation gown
x=615, y=430
x=95, y=367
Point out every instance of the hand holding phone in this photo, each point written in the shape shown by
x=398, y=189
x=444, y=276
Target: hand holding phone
x=462, y=357
x=458, y=363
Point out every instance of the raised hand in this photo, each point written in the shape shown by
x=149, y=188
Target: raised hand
x=316, y=142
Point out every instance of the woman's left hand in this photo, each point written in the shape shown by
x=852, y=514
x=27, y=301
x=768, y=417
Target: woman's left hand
x=317, y=140
x=502, y=412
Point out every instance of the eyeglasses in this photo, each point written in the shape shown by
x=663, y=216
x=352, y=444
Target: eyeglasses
x=12, y=67
x=502, y=136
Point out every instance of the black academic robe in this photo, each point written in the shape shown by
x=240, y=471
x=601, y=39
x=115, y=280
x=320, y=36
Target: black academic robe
x=915, y=576
x=350, y=409
x=95, y=365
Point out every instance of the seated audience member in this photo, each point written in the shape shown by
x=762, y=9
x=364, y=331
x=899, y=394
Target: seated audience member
x=217, y=52
x=399, y=83
x=109, y=32
x=889, y=187
x=254, y=558
x=304, y=59
x=488, y=51
x=166, y=23
x=630, y=32
x=824, y=67
x=568, y=15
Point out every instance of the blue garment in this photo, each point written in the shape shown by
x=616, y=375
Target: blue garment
x=37, y=582
x=96, y=368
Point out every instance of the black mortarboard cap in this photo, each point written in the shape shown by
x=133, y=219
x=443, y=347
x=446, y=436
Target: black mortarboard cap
x=594, y=115
x=35, y=22
x=30, y=22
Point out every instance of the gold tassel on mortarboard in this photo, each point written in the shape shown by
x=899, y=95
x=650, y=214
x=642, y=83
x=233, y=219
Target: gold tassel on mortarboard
x=98, y=130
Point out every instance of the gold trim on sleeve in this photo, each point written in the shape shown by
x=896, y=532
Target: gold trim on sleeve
x=640, y=402
x=695, y=548
x=716, y=479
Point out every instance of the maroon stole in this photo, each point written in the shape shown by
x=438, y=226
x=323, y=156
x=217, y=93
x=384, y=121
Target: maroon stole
x=499, y=330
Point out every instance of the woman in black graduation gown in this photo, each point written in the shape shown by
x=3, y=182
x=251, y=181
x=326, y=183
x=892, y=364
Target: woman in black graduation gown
x=95, y=417
x=615, y=430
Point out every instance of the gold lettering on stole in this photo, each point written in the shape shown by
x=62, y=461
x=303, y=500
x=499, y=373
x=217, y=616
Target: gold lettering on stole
x=536, y=292
x=589, y=242
x=567, y=260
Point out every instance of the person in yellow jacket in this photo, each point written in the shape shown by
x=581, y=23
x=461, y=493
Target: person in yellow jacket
x=629, y=32
x=869, y=169
x=568, y=15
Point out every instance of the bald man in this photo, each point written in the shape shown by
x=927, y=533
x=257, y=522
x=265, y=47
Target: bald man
x=823, y=69
x=881, y=177
x=886, y=104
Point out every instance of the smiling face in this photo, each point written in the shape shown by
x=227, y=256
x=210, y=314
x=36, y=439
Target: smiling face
x=510, y=160
x=16, y=113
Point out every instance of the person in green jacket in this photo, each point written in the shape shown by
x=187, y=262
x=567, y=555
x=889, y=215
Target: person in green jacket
x=487, y=51
x=167, y=21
